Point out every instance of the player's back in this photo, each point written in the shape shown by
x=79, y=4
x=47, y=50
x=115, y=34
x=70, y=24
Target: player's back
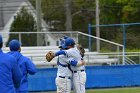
x=75, y=54
x=6, y=67
x=26, y=67
x=79, y=75
x=63, y=69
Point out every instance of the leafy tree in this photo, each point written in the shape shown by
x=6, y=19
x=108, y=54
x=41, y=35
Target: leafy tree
x=117, y=12
x=83, y=13
x=24, y=22
x=53, y=14
x=130, y=8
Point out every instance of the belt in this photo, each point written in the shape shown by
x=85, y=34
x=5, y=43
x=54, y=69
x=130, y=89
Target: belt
x=78, y=70
x=64, y=77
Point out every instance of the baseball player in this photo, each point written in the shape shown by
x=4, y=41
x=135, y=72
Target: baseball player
x=64, y=73
x=79, y=75
x=10, y=74
x=26, y=65
x=76, y=64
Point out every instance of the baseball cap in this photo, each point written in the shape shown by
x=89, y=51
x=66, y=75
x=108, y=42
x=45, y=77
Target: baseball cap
x=61, y=43
x=1, y=40
x=62, y=40
x=65, y=37
x=68, y=42
x=14, y=45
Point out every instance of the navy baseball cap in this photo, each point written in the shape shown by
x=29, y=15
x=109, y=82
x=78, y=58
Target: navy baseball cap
x=14, y=45
x=1, y=40
x=68, y=42
x=62, y=41
x=65, y=37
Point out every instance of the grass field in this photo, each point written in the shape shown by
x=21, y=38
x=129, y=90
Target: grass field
x=116, y=90
x=112, y=90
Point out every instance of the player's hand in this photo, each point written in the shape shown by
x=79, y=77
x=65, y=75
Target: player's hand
x=83, y=62
x=50, y=55
x=81, y=49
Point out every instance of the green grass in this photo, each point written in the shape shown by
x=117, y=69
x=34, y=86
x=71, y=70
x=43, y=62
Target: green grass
x=111, y=90
x=115, y=90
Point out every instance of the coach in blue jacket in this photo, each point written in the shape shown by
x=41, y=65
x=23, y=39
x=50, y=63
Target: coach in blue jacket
x=10, y=75
x=26, y=65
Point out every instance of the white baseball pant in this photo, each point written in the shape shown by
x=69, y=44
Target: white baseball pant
x=79, y=80
x=63, y=84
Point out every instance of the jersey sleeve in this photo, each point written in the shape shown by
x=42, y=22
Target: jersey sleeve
x=72, y=62
x=31, y=68
x=62, y=52
x=16, y=73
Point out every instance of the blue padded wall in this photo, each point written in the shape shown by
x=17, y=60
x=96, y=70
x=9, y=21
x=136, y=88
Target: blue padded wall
x=97, y=77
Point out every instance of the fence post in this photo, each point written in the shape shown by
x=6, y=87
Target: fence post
x=124, y=36
x=118, y=51
x=124, y=42
x=77, y=37
x=19, y=36
x=89, y=38
x=123, y=56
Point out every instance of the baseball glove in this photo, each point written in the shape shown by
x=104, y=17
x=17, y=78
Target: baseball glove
x=50, y=55
x=81, y=49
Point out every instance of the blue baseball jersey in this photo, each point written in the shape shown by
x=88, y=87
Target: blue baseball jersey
x=27, y=67
x=10, y=74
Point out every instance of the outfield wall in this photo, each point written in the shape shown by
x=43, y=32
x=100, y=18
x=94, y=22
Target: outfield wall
x=97, y=77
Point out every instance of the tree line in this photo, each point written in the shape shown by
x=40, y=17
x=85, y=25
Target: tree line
x=82, y=13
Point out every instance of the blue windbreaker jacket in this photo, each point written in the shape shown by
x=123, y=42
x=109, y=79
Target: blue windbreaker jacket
x=27, y=67
x=10, y=74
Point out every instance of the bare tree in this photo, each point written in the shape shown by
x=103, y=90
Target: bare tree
x=68, y=14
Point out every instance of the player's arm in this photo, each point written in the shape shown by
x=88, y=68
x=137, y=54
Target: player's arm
x=61, y=52
x=70, y=60
x=16, y=73
x=73, y=62
x=31, y=68
x=81, y=49
x=50, y=55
